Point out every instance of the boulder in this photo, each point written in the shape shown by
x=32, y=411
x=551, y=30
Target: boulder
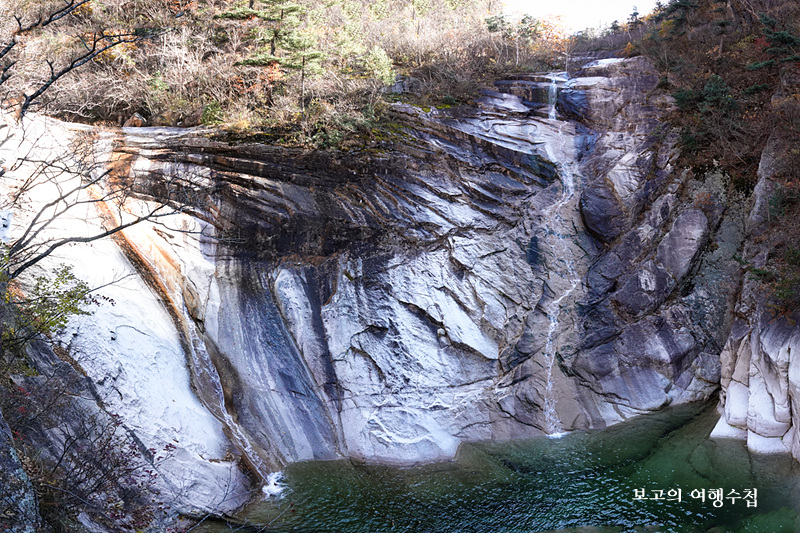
x=135, y=121
x=603, y=211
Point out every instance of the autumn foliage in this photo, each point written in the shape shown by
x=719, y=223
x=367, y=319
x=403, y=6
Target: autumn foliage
x=293, y=68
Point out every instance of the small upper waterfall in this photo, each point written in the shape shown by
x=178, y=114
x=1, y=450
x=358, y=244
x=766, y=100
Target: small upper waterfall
x=552, y=92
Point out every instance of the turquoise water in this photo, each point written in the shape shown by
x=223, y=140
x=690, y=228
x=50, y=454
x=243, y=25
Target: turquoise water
x=585, y=481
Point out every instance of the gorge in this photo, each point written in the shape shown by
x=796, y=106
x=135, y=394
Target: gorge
x=522, y=267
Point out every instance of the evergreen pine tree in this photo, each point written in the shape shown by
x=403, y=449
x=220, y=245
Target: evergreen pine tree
x=302, y=56
x=281, y=21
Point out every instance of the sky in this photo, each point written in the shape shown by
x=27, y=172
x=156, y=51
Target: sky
x=581, y=14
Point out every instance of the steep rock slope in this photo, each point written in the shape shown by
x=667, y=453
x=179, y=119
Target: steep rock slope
x=21, y=513
x=491, y=273
x=654, y=318
x=760, y=372
x=495, y=272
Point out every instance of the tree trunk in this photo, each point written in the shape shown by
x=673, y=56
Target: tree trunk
x=303, y=86
x=3, y=289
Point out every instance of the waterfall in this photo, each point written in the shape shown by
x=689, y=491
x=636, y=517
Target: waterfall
x=552, y=97
x=213, y=396
x=551, y=419
x=559, y=234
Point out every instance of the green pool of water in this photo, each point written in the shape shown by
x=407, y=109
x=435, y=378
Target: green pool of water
x=585, y=481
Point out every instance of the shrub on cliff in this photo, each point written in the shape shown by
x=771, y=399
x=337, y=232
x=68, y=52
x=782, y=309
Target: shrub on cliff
x=732, y=69
x=247, y=59
x=80, y=459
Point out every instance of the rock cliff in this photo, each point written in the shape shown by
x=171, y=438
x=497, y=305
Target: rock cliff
x=760, y=379
x=529, y=265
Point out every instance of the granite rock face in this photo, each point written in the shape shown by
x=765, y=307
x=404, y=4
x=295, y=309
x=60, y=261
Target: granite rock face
x=530, y=265
x=760, y=369
x=20, y=507
x=495, y=272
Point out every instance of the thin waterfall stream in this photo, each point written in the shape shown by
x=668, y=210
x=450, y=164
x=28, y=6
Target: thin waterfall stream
x=560, y=232
x=552, y=93
x=206, y=372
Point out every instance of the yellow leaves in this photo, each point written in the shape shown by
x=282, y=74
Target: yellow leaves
x=666, y=28
x=745, y=43
x=121, y=53
x=629, y=50
x=84, y=10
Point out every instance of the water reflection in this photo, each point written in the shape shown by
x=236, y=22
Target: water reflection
x=582, y=482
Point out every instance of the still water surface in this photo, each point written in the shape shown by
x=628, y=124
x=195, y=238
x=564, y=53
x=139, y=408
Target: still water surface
x=583, y=482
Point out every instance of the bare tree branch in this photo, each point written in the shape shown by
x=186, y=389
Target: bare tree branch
x=99, y=44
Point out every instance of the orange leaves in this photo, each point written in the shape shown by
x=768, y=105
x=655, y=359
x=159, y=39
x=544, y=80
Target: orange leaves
x=552, y=39
x=181, y=6
x=272, y=73
x=260, y=83
x=629, y=50
x=705, y=201
x=552, y=29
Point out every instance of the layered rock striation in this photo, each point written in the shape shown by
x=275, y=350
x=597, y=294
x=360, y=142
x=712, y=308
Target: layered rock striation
x=492, y=272
x=530, y=265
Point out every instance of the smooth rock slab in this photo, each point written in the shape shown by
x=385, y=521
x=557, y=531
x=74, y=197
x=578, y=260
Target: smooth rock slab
x=679, y=248
x=603, y=211
x=643, y=289
x=765, y=445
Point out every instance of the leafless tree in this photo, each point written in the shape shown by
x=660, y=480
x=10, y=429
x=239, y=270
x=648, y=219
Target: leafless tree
x=78, y=179
x=79, y=457
x=26, y=250
x=96, y=459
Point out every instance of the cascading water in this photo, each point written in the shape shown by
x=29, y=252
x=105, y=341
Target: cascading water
x=552, y=93
x=563, y=260
x=274, y=486
x=206, y=372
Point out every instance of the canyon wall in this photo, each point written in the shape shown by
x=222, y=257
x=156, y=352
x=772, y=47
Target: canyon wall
x=528, y=265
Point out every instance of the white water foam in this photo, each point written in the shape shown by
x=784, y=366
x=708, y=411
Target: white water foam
x=274, y=488
x=552, y=92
